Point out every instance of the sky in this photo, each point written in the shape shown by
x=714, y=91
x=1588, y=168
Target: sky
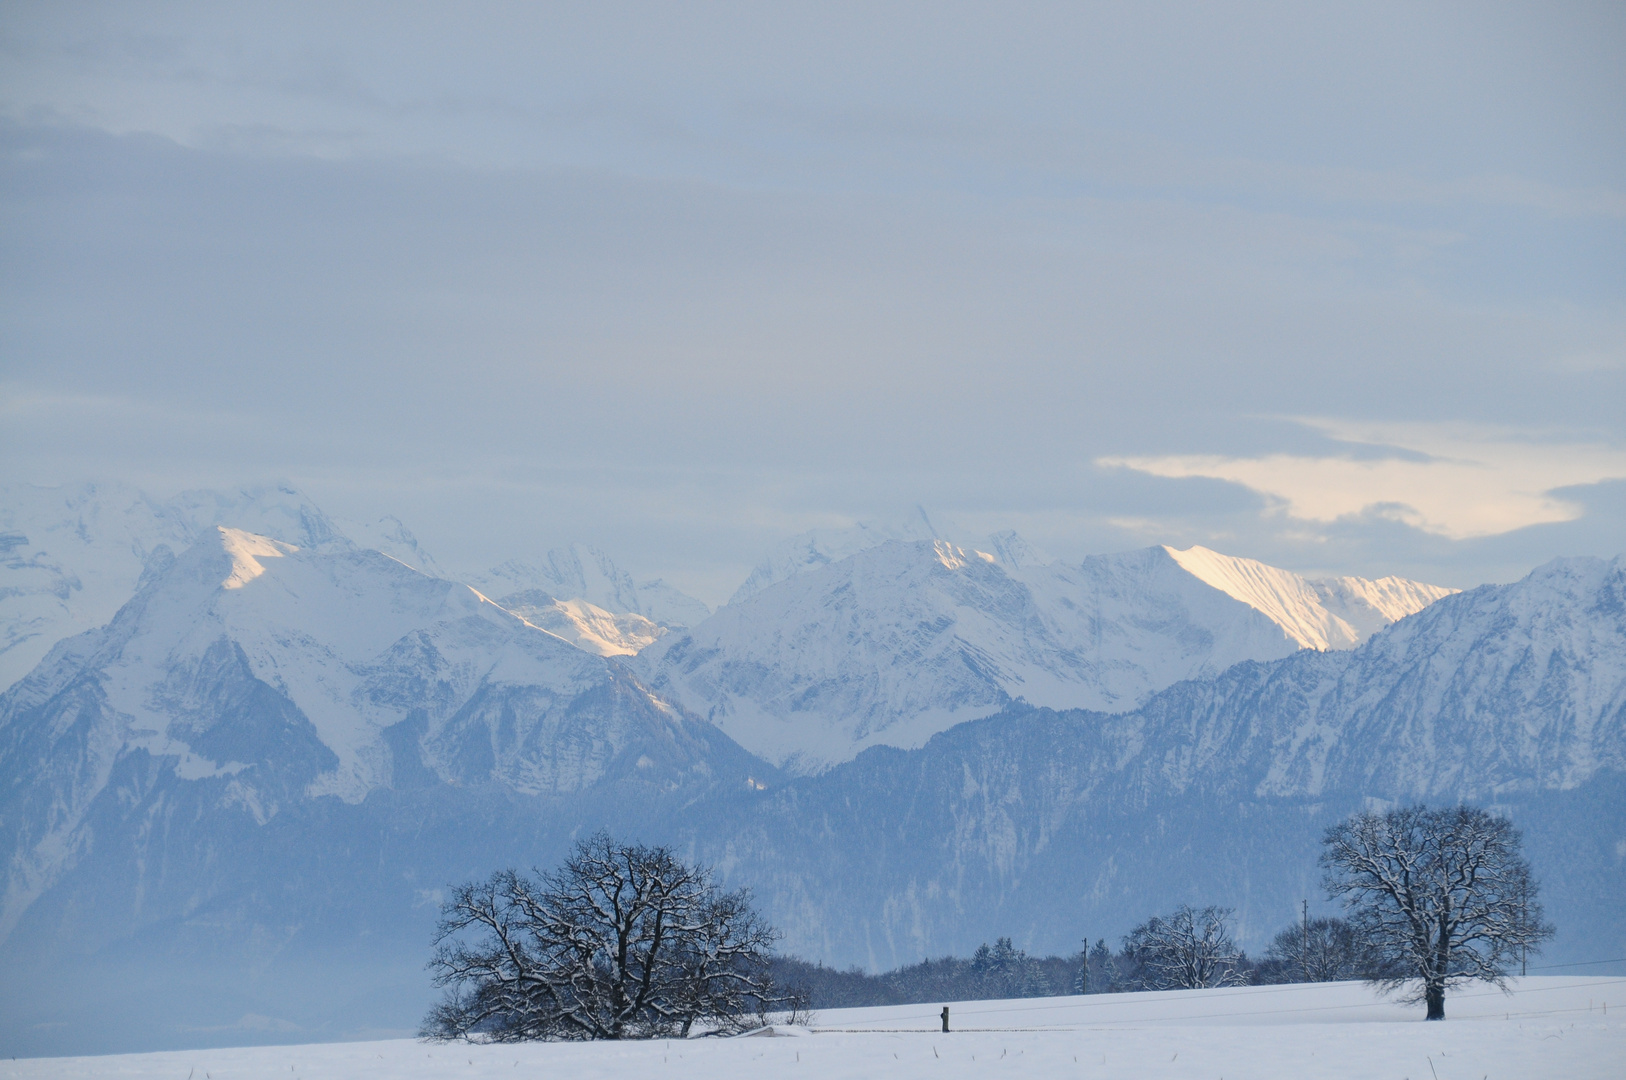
x=1339, y=287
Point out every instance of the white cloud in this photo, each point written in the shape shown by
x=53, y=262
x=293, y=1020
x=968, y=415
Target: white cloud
x=1458, y=482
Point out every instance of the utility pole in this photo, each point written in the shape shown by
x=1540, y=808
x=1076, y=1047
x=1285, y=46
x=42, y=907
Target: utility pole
x=1084, y=967
x=1304, y=947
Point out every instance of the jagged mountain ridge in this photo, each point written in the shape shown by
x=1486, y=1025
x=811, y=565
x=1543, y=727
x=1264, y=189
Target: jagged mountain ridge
x=586, y=626
x=1317, y=613
x=217, y=829
x=1216, y=790
x=582, y=572
x=904, y=639
x=70, y=557
x=279, y=675
x=818, y=548
x=1505, y=689
x=1500, y=690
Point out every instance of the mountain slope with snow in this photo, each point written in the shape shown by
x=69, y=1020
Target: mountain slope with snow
x=586, y=626
x=70, y=557
x=819, y=548
x=580, y=572
x=387, y=534
x=902, y=640
x=1497, y=691
x=258, y=676
x=1369, y=606
x=1040, y=824
x=1333, y=613
x=263, y=774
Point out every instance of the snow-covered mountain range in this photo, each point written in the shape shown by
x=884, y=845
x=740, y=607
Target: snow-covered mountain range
x=281, y=674
x=71, y=556
x=840, y=640
x=904, y=639
x=821, y=547
x=580, y=572
x=1490, y=694
x=272, y=756
x=1217, y=790
x=269, y=746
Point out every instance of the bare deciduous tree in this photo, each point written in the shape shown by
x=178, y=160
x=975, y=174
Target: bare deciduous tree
x=622, y=941
x=1318, y=950
x=1441, y=897
x=1188, y=950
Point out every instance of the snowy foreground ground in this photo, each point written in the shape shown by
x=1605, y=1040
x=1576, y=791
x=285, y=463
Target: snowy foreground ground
x=1554, y=1026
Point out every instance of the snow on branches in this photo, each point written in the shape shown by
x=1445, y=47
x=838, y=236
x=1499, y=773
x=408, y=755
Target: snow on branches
x=622, y=941
x=1187, y=950
x=1441, y=897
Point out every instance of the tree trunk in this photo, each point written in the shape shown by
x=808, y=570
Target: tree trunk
x=1434, y=993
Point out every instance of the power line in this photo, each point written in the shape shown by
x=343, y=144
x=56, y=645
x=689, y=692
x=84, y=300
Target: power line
x=1579, y=963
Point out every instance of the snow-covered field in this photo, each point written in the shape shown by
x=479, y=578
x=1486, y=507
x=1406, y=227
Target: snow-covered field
x=1550, y=1026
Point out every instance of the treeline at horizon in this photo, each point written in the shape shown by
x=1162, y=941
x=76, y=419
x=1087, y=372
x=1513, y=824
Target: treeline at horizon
x=628, y=941
x=1314, y=950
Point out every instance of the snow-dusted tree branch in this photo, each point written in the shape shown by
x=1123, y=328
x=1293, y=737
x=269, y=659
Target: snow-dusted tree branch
x=622, y=941
x=1188, y=950
x=1440, y=896
x=1318, y=950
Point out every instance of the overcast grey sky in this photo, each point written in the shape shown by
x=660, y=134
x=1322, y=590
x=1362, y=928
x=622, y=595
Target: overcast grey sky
x=1339, y=287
